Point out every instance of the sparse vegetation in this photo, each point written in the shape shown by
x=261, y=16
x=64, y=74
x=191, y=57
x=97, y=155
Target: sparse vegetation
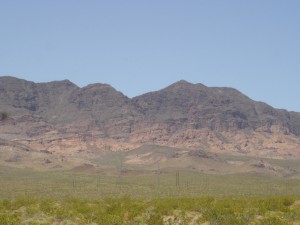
x=33, y=197
x=57, y=185
x=3, y=116
x=126, y=210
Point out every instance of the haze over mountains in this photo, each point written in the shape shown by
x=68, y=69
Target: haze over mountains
x=60, y=117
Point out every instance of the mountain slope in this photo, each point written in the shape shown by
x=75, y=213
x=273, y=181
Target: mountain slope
x=213, y=108
x=61, y=117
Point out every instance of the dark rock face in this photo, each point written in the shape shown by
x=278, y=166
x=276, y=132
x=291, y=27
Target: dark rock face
x=28, y=97
x=197, y=106
x=18, y=94
x=180, y=114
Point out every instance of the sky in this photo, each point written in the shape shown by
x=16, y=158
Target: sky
x=139, y=46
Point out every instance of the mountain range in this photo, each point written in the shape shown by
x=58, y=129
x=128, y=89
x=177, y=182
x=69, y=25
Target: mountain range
x=60, y=117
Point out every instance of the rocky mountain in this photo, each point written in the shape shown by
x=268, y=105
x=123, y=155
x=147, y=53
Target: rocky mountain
x=61, y=117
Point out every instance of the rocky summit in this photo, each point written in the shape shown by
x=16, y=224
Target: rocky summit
x=61, y=117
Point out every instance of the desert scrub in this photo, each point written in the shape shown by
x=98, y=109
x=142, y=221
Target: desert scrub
x=3, y=115
x=10, y=218
x=163, y=211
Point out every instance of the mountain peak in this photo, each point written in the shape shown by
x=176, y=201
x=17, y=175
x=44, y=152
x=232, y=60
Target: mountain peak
x=98, y=85
x=184, y=85
x=11, y=79
x=181, y=83
x=58, y=83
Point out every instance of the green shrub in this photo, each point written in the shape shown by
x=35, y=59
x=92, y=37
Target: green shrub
x=3, y=116
x=273, y=221
x=10, y=219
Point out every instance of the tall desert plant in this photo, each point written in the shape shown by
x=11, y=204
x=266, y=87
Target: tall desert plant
x=3, y=116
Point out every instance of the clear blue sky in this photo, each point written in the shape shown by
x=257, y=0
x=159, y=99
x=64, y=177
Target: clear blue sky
x=144, y=45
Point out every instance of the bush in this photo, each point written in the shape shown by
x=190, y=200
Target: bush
x=3, y=116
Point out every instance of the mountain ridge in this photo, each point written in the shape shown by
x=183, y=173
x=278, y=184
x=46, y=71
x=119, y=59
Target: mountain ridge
x=60, y=116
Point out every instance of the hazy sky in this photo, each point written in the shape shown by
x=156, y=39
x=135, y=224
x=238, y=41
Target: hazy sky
x=145, y=45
